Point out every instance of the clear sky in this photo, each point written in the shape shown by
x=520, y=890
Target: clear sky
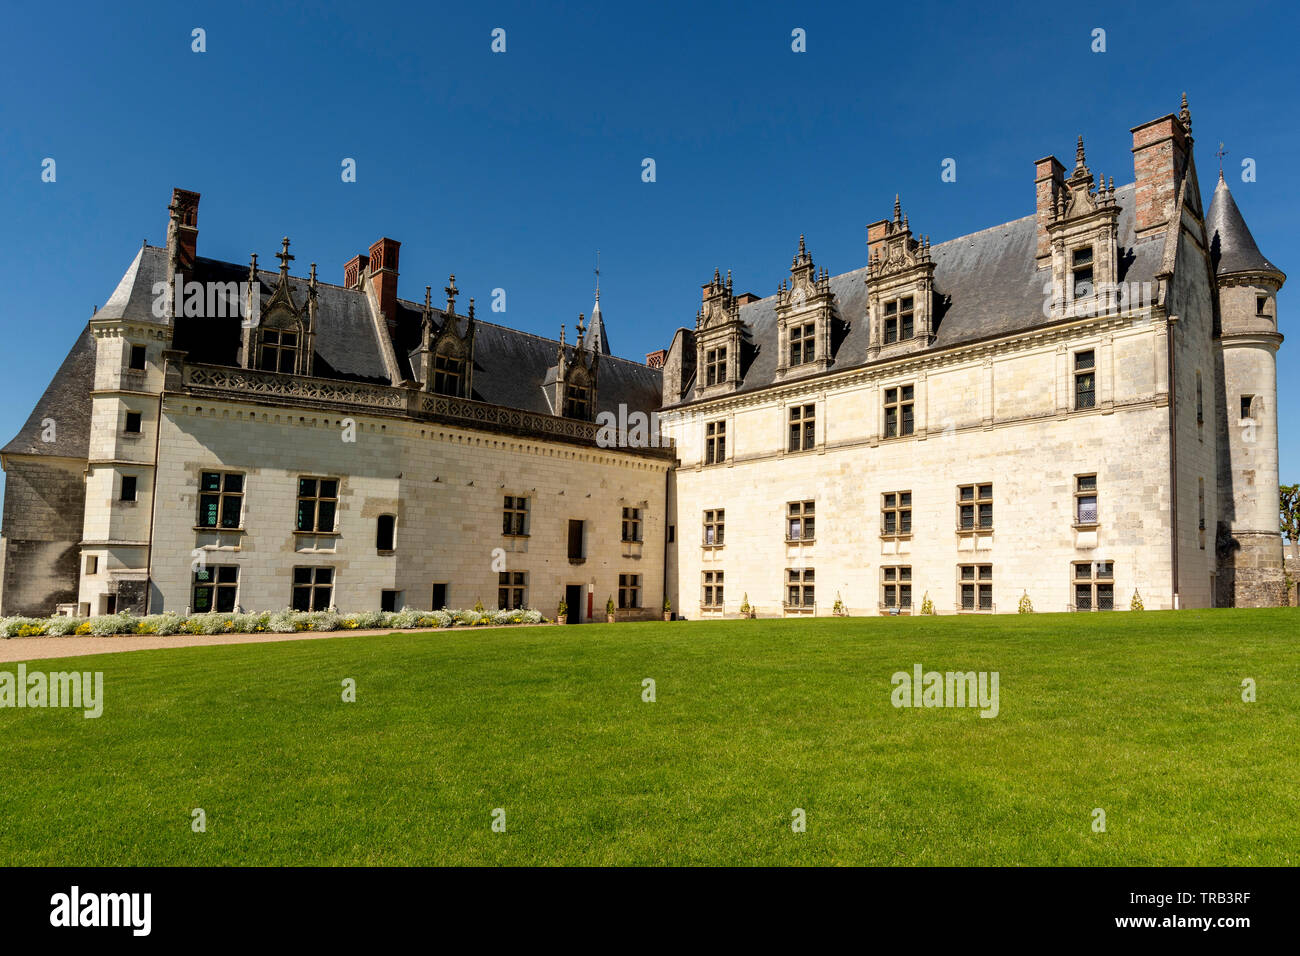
x=511, y=169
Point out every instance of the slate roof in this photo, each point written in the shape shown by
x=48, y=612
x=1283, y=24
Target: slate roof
x=987, y=284
x=67, y=402
x=511, y=368
x=1232, y=247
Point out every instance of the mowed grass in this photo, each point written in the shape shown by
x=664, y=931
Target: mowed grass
x=1140, y=715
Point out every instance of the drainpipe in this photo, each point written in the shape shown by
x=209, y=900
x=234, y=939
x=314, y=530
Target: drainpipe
x=1173, y=456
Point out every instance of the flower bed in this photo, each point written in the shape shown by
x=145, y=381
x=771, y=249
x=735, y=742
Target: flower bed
x=277, y=622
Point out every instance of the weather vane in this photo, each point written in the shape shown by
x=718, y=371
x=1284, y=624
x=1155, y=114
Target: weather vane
x=1221, y=153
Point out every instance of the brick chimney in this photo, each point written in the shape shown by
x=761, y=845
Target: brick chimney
x=383, y=275
x=875, y=233
x=183, y=229
x=1160, y=151
x=353, y=269
x=656, y=359
x=1049, y=180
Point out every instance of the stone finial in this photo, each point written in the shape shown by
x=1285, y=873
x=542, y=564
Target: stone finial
x=1185, y=116
x=284, y=257
x=1079, y=164
x=897, y=209
x=452, y=292
x=471, y=307
x=428, y=299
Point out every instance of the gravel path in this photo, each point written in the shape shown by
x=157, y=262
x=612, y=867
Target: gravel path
x=38, y=648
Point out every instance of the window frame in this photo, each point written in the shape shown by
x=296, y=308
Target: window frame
x=632, y=523
x=801, y=340
x=1078, y=374
x=980, y=585
x=515, y=516
x=1080, y=493
x=222, y=495
x=317, y=498
x=313, y=585
x=392, y=533
x=715, y=366
x=712, y=583
x=804, y=513
x=713, y=533
x=894, y=579
x=1095, y=580
x=629, y=591
x=800, y=583
x=512, y=590
x=801, y=428
x=899, y=405
x=715, y=442
x=222, y=592
x=976, y=502
x=893, y=506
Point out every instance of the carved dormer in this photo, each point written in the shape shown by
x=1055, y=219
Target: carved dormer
x=576, y=374
x=900, y=288
x=282, y=336
x=445, y=359
x=719, y=336
x=805, y=313
x=1083, y=230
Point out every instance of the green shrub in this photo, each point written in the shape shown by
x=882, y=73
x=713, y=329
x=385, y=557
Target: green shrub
x=1026, y=606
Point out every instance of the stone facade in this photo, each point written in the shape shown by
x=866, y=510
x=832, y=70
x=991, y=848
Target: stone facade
x=1072, y=408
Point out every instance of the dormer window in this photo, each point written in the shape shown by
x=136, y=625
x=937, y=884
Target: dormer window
x=803, y=343
x=715, y=366
x=448, y=375
x=577, y=401
x=277, y=350
x=898, y=320
x=1081, y=266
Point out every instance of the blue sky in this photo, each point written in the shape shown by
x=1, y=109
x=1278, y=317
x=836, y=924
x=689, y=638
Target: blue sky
x=512, y=169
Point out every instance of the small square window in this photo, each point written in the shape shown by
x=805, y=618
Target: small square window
x=137, y=361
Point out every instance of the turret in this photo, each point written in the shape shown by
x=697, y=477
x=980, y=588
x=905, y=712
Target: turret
x=1249, y=543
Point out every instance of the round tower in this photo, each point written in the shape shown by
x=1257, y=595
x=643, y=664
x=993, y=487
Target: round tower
x=1249, y=542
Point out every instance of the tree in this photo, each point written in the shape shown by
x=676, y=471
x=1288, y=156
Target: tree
x=1290, y=502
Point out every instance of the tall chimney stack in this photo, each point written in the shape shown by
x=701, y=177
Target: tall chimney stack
x=1049, y=180
x=383, y=275
x=183, y=229
x=1160, y=151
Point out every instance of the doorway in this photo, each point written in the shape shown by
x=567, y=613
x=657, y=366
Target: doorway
x=573, y=600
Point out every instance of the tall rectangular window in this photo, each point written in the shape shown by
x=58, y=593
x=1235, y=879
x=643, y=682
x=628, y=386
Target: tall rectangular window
x=715, y=443
x=137, y=360
x=132, y=423
x=514, y=515
x=1085, y=500
x=896, y=586
x=318, y=501
x=1082, y=272
x=1247, y=404
x=975, y=583
x=800, y=588
x=899, y=418
x=215, y=588
x=713, y=583
x=128, y=487
x=631, y=524
x=975, y=507
x=576, y=552
x=512, y=590
x=313, y=589
x=803, y=341
x=896, y=513
x=803, y=427
x=629, y=590
x=800, y=521
x=715, y=366
x=898, y=320
x=715, y=527
x=385, y=532
x=1085, y=379
x=221, y=499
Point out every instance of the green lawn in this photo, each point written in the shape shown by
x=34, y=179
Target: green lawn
x=1138, y=714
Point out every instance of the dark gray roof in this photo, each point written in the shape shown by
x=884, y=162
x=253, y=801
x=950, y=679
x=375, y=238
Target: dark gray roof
x=66, y=402
x=510, y=367
x=987, y=284
x=1232, y=247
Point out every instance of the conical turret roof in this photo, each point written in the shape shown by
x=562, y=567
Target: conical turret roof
x=1232, y=247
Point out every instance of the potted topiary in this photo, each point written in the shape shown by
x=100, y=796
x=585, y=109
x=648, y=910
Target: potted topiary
x=562, y=613
x=838, y=608
x=609, y=610
x=1136, y=604
x=1026, y=606
x=668, y=610
x=927, y=606
x=745, y=609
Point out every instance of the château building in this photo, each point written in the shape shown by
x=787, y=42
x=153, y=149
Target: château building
x=1074, y=406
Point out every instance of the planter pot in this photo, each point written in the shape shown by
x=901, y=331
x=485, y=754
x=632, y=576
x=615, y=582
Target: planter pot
x=609, y=618
x=668, y=615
